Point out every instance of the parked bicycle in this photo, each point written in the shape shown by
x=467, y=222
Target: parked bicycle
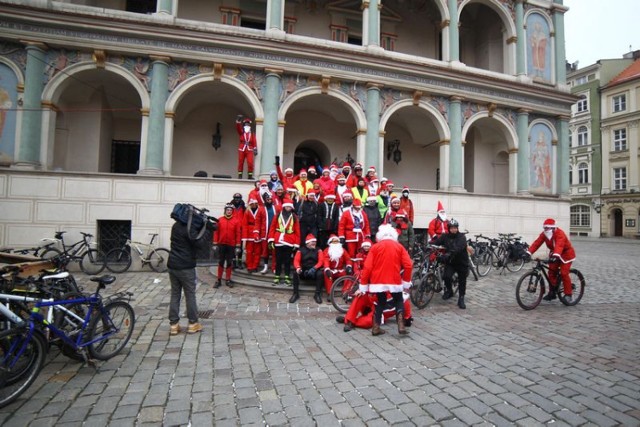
x=101, y=334
x=91, y=260
x=344, y=288
x=506, y=252
x=532, y=285
x=428, y=279
x=119, y=259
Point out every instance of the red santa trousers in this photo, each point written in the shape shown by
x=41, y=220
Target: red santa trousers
x=564, y=274
x=362, y=308
x=248, y=156
x=253, y=250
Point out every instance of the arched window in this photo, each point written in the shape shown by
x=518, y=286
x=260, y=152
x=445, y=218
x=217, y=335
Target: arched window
x=583, y=173
x=583, y=136
x=580, y=216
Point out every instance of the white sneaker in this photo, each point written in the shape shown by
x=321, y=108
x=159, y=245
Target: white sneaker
x=264, y=270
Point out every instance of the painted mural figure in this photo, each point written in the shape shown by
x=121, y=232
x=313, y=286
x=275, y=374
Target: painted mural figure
x=140, y=70
x=5, y=106
x=247, y=147
x=59, y=64
x=179, y=76
x=539, y=42
x=542, y=162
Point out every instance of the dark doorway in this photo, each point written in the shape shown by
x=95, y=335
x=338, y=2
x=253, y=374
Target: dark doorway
x=141, y=6
x=617, y=222
x=305, y=157
x=125, y=156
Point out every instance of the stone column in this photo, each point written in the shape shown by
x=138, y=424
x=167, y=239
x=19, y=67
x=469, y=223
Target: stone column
x=153, y=161
x=275, y=15
x=269, y=144
x=455, y=144
x=563, y=155
x=371, y=22
x=521, y=68
x=454, y=32
x=372, y=151
x=165, y=7
x=523, y=151
x=558, y=23
x=28, y=152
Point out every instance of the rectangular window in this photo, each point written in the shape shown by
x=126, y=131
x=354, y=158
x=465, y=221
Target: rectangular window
x=619, y=178
x=583, y=137
x=619, y=103
x=253, y=23
x=583, y=175
x=583, y=106
x=620, y=140
x=580, y=216
x=581, y=80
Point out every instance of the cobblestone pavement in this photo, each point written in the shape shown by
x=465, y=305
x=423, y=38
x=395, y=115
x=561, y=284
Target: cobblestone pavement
x=262, y=361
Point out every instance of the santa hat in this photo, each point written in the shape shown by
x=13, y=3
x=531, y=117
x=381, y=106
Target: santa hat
x=383, y=179
x=347, y=193
x=229, y=206
x=357, y=203
x=326, y=169
x=311, y=193
x=292, y=189
x=263, y=182
x=371, y=199
x=334, y=237
x=303, y=171
x=405, y=188
x=252, y=200
x=246, y=120
x=333, y=167
x=287, y=170
x=357, y=166
x=346, y=165
x=287, y=202
x=310, y=238
x=366, y=242
x=550, y=223
x=401, y=213
x=390, y=183
x=374, y=179
x=311, y=168
x=330, y=196
x=339, y=177
x=372, y=169
x=393, y=199
x=440, y=208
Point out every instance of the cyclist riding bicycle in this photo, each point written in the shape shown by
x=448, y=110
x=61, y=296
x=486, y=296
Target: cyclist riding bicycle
x=561, y=256
x=456, y=260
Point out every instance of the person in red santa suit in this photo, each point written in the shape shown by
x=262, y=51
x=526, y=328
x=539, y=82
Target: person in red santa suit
x=227, y=238
x=361, y=312
x=248, y=146
x=341, y=189
x=388, y=268
x=337, y=262
x=561, y=256
x=264, y=218
x=252, y=248
x=287, y=178
x=352, y=178
x=327, y=185
x=308, y=263
x=371, y=173
x=406, y=203
x=353, y=227
x=394, y=208
x=439, y=224
x=346, y=171
x=284, y=237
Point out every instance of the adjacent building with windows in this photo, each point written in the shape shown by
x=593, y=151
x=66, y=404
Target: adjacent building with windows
x=111, y=106
x=585, y=162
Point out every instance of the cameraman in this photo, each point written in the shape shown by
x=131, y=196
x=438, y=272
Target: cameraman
x=456, y=260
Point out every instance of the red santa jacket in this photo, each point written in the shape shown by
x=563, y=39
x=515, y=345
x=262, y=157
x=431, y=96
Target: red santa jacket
x=407, y=205
x=339, y=264
x=327, y=185
x=559, y=245
x=263, y=223
x=247, y=140
x=382, y=268
x=297, y=258
x=249, y=224
x=437, y=227
x=228, y=232
x=286, y=179
x=285, y=232
x=352, y=227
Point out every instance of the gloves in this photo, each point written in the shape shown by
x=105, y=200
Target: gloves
x=348, y=269
x=271, y=246
x=255, y=151
x=311, y=272
x=327, y=273
x=239, y=118
x=342, y=240
x=554, y=259
x=444, y=259
x=277, y=160
x=238, y=250
x=298, y=271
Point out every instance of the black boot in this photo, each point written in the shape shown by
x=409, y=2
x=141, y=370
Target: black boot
x=551, y=295
x=448, y=293
x=461, y=302
x=295, y=297
x=218, y=283
x=239, y=175
x=317, y=298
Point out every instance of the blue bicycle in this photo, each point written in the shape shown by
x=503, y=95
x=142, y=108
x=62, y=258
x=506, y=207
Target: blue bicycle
x=92, y=327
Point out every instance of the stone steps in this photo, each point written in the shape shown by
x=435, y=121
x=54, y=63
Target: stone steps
x=262, y=281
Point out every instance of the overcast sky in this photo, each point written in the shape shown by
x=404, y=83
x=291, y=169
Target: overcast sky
x=601, y=29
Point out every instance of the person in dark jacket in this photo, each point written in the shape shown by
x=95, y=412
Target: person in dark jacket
x=182, y=275
x=308, y=263
x=307, y=214
x=328, y=217
x=456, y=260
x=373, y=215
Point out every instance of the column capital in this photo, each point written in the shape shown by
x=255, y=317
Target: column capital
x=456, y=98
x=554, y=142
x=563, y=117
x=524, y=111
x=159, y=58
x=513, y=151
x=417, y=96
x=274, y=71
x=512, y=39
x=371, y=85
x=35, y=44
x=444, y=24
x=217, y=71
x=444, y=142
x=324, y=84
x=99, y=57
x=144, y=112
x=364, y=5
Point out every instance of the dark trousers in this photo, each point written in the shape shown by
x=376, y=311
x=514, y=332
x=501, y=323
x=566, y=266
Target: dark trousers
x=225, y=255
x=318, y=277
x=463, y=272
x=283, y=260
x=306, y=229
x=323, y=236
x=398, y=303
x=183, y=281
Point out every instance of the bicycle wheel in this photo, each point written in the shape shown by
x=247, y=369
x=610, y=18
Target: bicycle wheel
x=118, y=260
x=115, y=325
x=454, y=283
x=50, y=253
x=20, y=363
x=69, y=324
x=92, y=262
x=484, y=264
x=514, y=265
x=158, y=260
x=422, y=293
x=342, y=292
x=530, y=290
x=577, y=286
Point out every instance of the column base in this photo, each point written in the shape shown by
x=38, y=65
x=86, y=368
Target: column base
x=525, y=193
x=151, y=171
x=29, y=166
x=457, y=189
x=276, y=33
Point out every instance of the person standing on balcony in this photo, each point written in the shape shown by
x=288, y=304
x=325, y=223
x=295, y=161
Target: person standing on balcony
x=248, y=146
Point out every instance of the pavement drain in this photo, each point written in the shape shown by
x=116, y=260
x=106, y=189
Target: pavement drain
x=205, y=314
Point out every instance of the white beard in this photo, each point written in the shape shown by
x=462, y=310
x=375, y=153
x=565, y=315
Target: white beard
x=443, y=216
x=264, y=191
x=335, y=251
x=548, y=234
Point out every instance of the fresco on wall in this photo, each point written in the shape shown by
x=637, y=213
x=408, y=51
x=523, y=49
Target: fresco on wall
x=538, y=48
x=541, y=157
x=8, y=105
